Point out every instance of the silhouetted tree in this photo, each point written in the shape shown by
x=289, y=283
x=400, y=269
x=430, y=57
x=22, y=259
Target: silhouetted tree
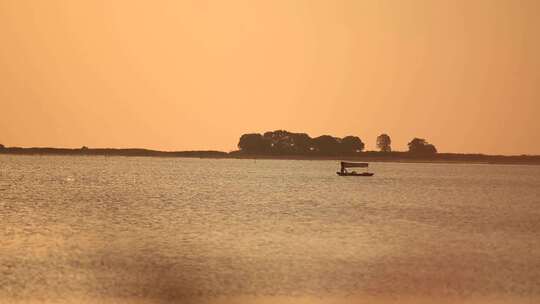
x=277, y=135
x=326, y=144
x=253, y=143
x=421, y=146
x=384, y=142
x=280, y=141
x=285, y=142
x=2, y=146
x=351, y=144
x=84, y=148
x=302, y=142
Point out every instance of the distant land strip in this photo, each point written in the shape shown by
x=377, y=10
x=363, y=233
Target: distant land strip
x=374, y=156
x=112, y=152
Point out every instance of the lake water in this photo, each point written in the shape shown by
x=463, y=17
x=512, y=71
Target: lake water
x=173, y=230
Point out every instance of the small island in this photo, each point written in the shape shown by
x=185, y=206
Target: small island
x=282, y=144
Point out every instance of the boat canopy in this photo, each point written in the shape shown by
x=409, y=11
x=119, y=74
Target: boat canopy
x=353, y=165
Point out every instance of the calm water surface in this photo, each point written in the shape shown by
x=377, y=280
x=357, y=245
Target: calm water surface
x=172, y=230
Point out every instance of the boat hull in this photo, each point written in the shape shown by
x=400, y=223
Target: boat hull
x=355, y=174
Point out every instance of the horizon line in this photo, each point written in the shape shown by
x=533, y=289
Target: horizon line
x=238, y=150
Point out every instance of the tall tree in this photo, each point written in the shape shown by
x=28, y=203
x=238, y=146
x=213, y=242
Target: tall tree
x=384, y=142
x=280, y=141
x=351, y=144
x=302, y=142
x=285, y=142
x=327, y=145
x=253, y=143
x=421, y=146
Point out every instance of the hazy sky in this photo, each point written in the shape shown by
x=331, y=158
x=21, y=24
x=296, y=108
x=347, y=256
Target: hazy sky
x=177, y=75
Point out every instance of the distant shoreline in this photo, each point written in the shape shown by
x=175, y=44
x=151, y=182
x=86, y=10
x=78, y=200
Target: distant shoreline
x=447, y=158
x=430, y=160
x=112, y=152
x=369, y=156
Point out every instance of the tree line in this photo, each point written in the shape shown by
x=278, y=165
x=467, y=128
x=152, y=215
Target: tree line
x=281, y=142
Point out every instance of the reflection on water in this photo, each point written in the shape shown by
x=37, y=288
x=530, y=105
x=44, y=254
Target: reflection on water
x=161, y=230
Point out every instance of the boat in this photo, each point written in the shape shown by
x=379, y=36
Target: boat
x=354, y=173
x=345, y=165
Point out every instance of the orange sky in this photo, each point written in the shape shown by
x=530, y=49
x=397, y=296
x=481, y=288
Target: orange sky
x=181, y=75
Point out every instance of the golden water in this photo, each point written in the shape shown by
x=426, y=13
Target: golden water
x=171, y=230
